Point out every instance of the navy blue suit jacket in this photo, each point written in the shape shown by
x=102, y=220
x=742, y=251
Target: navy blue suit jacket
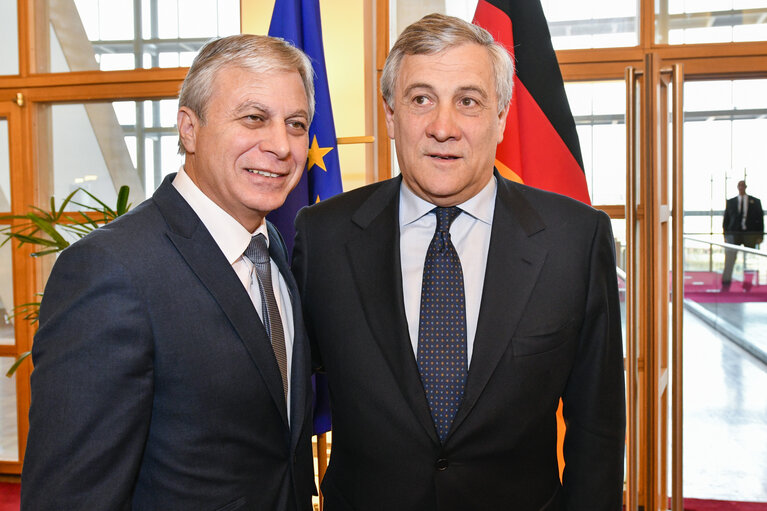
x=549, y=327
x=155, y=385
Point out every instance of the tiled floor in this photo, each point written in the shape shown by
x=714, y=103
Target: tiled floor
x=725, y=416
x=725, y=430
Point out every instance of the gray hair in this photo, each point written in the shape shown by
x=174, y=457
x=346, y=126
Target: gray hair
x=435, y=33
x=257, y=53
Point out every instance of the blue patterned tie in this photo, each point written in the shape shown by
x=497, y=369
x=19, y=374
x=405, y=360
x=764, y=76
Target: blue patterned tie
x=442, y=326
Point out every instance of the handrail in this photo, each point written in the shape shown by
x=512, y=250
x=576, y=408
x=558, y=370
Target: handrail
x=729, y=246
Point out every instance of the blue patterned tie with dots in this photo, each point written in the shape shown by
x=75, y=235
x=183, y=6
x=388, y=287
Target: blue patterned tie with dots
x=442, y=326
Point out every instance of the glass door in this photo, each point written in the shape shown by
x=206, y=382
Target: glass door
x=653, y=300
x=14, y=334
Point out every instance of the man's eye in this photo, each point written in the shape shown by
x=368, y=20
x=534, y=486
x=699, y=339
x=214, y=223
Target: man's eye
x=420, y=100
x=297, y=125
x=254, y=118
x=468, y=102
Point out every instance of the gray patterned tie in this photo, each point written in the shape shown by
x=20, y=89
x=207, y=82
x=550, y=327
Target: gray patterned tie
x=258, y=253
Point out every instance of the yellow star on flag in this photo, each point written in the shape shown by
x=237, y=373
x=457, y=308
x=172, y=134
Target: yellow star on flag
x=316, y=155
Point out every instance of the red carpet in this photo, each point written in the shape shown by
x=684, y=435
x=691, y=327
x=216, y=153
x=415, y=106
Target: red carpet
x=9, y=496
x=722, y=505
x=9, y=501
x=705, y=287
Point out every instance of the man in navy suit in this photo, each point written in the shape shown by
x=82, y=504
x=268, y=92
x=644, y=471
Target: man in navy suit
x=447, y=347
x=743, y=224
x=170, y=373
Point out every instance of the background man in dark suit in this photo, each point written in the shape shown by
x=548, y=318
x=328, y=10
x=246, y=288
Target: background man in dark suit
x=743, y=224
x=447, y=351
x=156, y=384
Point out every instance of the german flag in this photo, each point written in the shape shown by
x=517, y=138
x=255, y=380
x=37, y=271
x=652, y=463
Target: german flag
x=540, y=145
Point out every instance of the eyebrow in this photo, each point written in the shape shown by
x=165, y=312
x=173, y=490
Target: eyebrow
x=417, y=85
x=473, y=88
x=254, y=105
x=250, y=105
x=460, y=90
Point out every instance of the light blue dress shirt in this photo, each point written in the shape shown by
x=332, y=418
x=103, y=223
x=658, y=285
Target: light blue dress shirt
x=470, y=233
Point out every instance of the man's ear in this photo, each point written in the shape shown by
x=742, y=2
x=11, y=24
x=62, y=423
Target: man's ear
x=502, y=117
x=389, y=113
x=187, y=122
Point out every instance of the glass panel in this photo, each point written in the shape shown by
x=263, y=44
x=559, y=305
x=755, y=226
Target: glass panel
x=724, y=133
x=592, y=24
x=7, y=335
x=725, y=336
x=101, y=146
x=9, y=433
x=710, y=21
x=129, y=34
x=619, y=233
x=9, y=39
x=599, y=110
x=586, y=24
x=5, y=167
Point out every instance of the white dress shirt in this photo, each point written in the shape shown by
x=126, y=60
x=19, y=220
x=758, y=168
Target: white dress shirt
x=232, y=238
x=743, y=210
x=470, y=234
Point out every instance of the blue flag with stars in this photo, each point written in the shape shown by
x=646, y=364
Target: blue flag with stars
x=298, y=21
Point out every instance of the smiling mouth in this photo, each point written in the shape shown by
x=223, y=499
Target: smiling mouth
x=262, y=173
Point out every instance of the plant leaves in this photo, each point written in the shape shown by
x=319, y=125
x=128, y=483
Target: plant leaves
x=122, y=200
x=18, y=362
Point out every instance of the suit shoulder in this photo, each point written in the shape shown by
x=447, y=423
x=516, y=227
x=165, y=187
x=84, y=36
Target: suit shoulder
x=131, y=231
x=345, y=203
x=548, y=203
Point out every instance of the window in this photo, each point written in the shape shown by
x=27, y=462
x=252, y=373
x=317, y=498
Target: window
x=132, y=34
x=710, y=21
x=102, y=146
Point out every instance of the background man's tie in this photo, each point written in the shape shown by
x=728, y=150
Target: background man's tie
x=442, y=326
x=258, y=253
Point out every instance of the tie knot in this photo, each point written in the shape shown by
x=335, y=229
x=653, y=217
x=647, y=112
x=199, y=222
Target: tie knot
x=257, y=251
x=445, y=217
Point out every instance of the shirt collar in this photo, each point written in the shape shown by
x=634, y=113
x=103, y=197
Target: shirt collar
x=481, y=206
x=229, y=234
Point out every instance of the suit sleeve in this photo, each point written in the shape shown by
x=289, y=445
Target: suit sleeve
x=594, y=398
x=91, y=387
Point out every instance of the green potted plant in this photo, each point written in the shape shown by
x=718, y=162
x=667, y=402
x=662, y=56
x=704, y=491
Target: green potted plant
x=49, y=230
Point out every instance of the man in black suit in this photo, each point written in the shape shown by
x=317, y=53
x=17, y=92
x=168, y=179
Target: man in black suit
x=743, y=224
x=172, y=370
x=447, y=346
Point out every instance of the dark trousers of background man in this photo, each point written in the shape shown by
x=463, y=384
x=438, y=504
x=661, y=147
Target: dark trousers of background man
x=746, y=239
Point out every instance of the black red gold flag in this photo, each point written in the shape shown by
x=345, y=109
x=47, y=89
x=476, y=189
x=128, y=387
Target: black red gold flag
x=540, y=145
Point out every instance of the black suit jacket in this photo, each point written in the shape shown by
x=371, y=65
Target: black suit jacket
x=731, y=223
x=549, y=327
x=155, y=386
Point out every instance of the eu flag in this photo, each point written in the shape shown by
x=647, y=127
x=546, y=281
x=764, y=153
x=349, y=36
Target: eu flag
x=298, y=21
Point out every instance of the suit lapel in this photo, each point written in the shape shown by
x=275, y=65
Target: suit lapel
x=199, y=250
x=374, y=256
x=514, y=262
